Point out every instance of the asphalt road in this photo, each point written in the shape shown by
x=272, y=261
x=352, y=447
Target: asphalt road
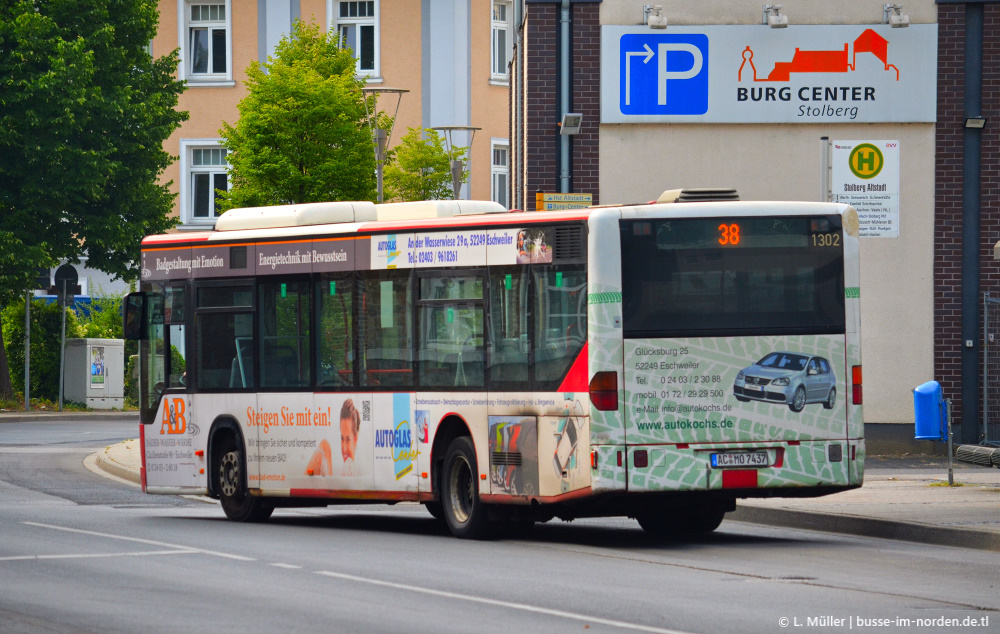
x=79, y=552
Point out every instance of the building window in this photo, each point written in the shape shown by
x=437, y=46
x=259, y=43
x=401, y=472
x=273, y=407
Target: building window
x=205, y=41
x=500, y=172
x=501, y=49
x=206, y=171
x=357, y=26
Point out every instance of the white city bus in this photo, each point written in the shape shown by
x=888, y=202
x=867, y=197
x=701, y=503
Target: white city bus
x=656, y=361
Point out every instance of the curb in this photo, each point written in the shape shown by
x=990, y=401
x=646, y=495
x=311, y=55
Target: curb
x=108, y=464
x=868, y=527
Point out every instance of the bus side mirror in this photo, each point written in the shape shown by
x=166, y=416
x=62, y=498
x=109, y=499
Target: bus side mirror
x=135, y=316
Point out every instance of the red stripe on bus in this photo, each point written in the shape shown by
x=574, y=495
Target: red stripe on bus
x=577, y=378
x=142, y=455
x=398, y=496
x=503, y=498
x=169, y=238
x=739, y=479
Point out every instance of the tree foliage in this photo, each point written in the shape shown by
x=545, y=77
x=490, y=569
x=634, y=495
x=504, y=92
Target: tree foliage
x=84, y=112
x=422, y=169
x=46, y=335
x=302, y=135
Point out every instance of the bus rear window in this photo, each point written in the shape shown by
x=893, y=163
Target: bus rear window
x=728, y=277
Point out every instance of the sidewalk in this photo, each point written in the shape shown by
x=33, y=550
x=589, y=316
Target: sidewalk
x=905, y=498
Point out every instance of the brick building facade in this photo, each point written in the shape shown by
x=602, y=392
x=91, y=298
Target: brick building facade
x=948, y=226
x=535, y=126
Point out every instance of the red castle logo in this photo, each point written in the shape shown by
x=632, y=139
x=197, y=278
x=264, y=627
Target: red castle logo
x=824, y=61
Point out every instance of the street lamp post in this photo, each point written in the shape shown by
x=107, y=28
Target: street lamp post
x=380, y=137
x=457, y=165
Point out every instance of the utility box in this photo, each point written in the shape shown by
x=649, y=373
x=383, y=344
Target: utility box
x=95, y=372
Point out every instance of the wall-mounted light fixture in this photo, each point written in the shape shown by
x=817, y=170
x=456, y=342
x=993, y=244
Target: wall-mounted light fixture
x=773, y=17
x=976, y=123
x=571, y=123
x=652, y=16
x=892, y=14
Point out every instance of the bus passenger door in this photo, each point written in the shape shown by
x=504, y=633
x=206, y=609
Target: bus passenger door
x=173, y=442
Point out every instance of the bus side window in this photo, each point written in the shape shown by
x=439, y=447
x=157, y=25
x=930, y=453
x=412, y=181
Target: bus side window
x=284, y=314
x=386, y=330
x=508, y=328
x=560, y=321
x=335, y=331
x=224, y=335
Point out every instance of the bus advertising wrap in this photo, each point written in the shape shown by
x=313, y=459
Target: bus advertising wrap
x=735, y=389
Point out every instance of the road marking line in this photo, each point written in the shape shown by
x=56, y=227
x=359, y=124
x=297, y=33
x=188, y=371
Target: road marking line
x=151, y=542
x=286, y=566
x=502, y=604
x=147, y=553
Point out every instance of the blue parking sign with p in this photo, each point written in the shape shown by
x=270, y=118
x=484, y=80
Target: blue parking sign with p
x=664, y=74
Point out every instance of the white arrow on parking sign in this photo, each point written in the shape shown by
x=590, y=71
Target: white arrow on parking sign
x=628, y=69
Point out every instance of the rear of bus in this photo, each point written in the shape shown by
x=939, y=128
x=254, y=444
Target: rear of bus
x=724, y=355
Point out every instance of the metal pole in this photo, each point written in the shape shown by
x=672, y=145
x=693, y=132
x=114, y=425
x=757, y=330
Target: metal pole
x=565, y=179
x=27, y=349
x=380, y=143
x=824, y=169
x=62, y=346
x=951, y=477
x=971, y=232
x=986, y=361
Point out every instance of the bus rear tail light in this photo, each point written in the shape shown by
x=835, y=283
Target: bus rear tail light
x=856, y=384
x=604, y=391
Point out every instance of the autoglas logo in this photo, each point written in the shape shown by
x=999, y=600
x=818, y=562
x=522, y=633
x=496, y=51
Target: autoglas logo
x=663, y=74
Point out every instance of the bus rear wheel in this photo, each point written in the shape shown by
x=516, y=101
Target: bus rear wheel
x=693, y=520
x=234, y=495
x=467, y=517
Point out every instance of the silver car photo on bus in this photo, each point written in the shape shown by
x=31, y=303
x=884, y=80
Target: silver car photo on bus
x=790, y=379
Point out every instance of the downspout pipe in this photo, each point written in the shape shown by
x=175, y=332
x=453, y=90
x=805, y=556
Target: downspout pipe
x=971, y=233
x=565, y=181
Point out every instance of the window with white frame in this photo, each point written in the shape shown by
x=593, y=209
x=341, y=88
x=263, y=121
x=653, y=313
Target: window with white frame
x=500, y=38
x=206, y=45
x=205, y=173
x=500, y=172
x=357, y=25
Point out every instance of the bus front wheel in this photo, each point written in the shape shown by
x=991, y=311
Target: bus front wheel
x=467, y=517
x=236, y=500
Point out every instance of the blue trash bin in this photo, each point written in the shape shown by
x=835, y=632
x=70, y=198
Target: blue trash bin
x=928, y=407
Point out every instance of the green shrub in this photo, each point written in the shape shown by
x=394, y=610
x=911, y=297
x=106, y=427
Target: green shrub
x=46, y=326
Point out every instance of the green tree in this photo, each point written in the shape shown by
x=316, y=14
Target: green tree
x=85, y=111
x=422, y=167
x=302, y=135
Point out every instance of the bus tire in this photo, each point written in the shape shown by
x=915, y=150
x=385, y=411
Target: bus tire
x=435, y=509
x=663, y=525
x=798, y=400
x=466, y=515
x=234, y=495
x=705, y=519
x=831, y=399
